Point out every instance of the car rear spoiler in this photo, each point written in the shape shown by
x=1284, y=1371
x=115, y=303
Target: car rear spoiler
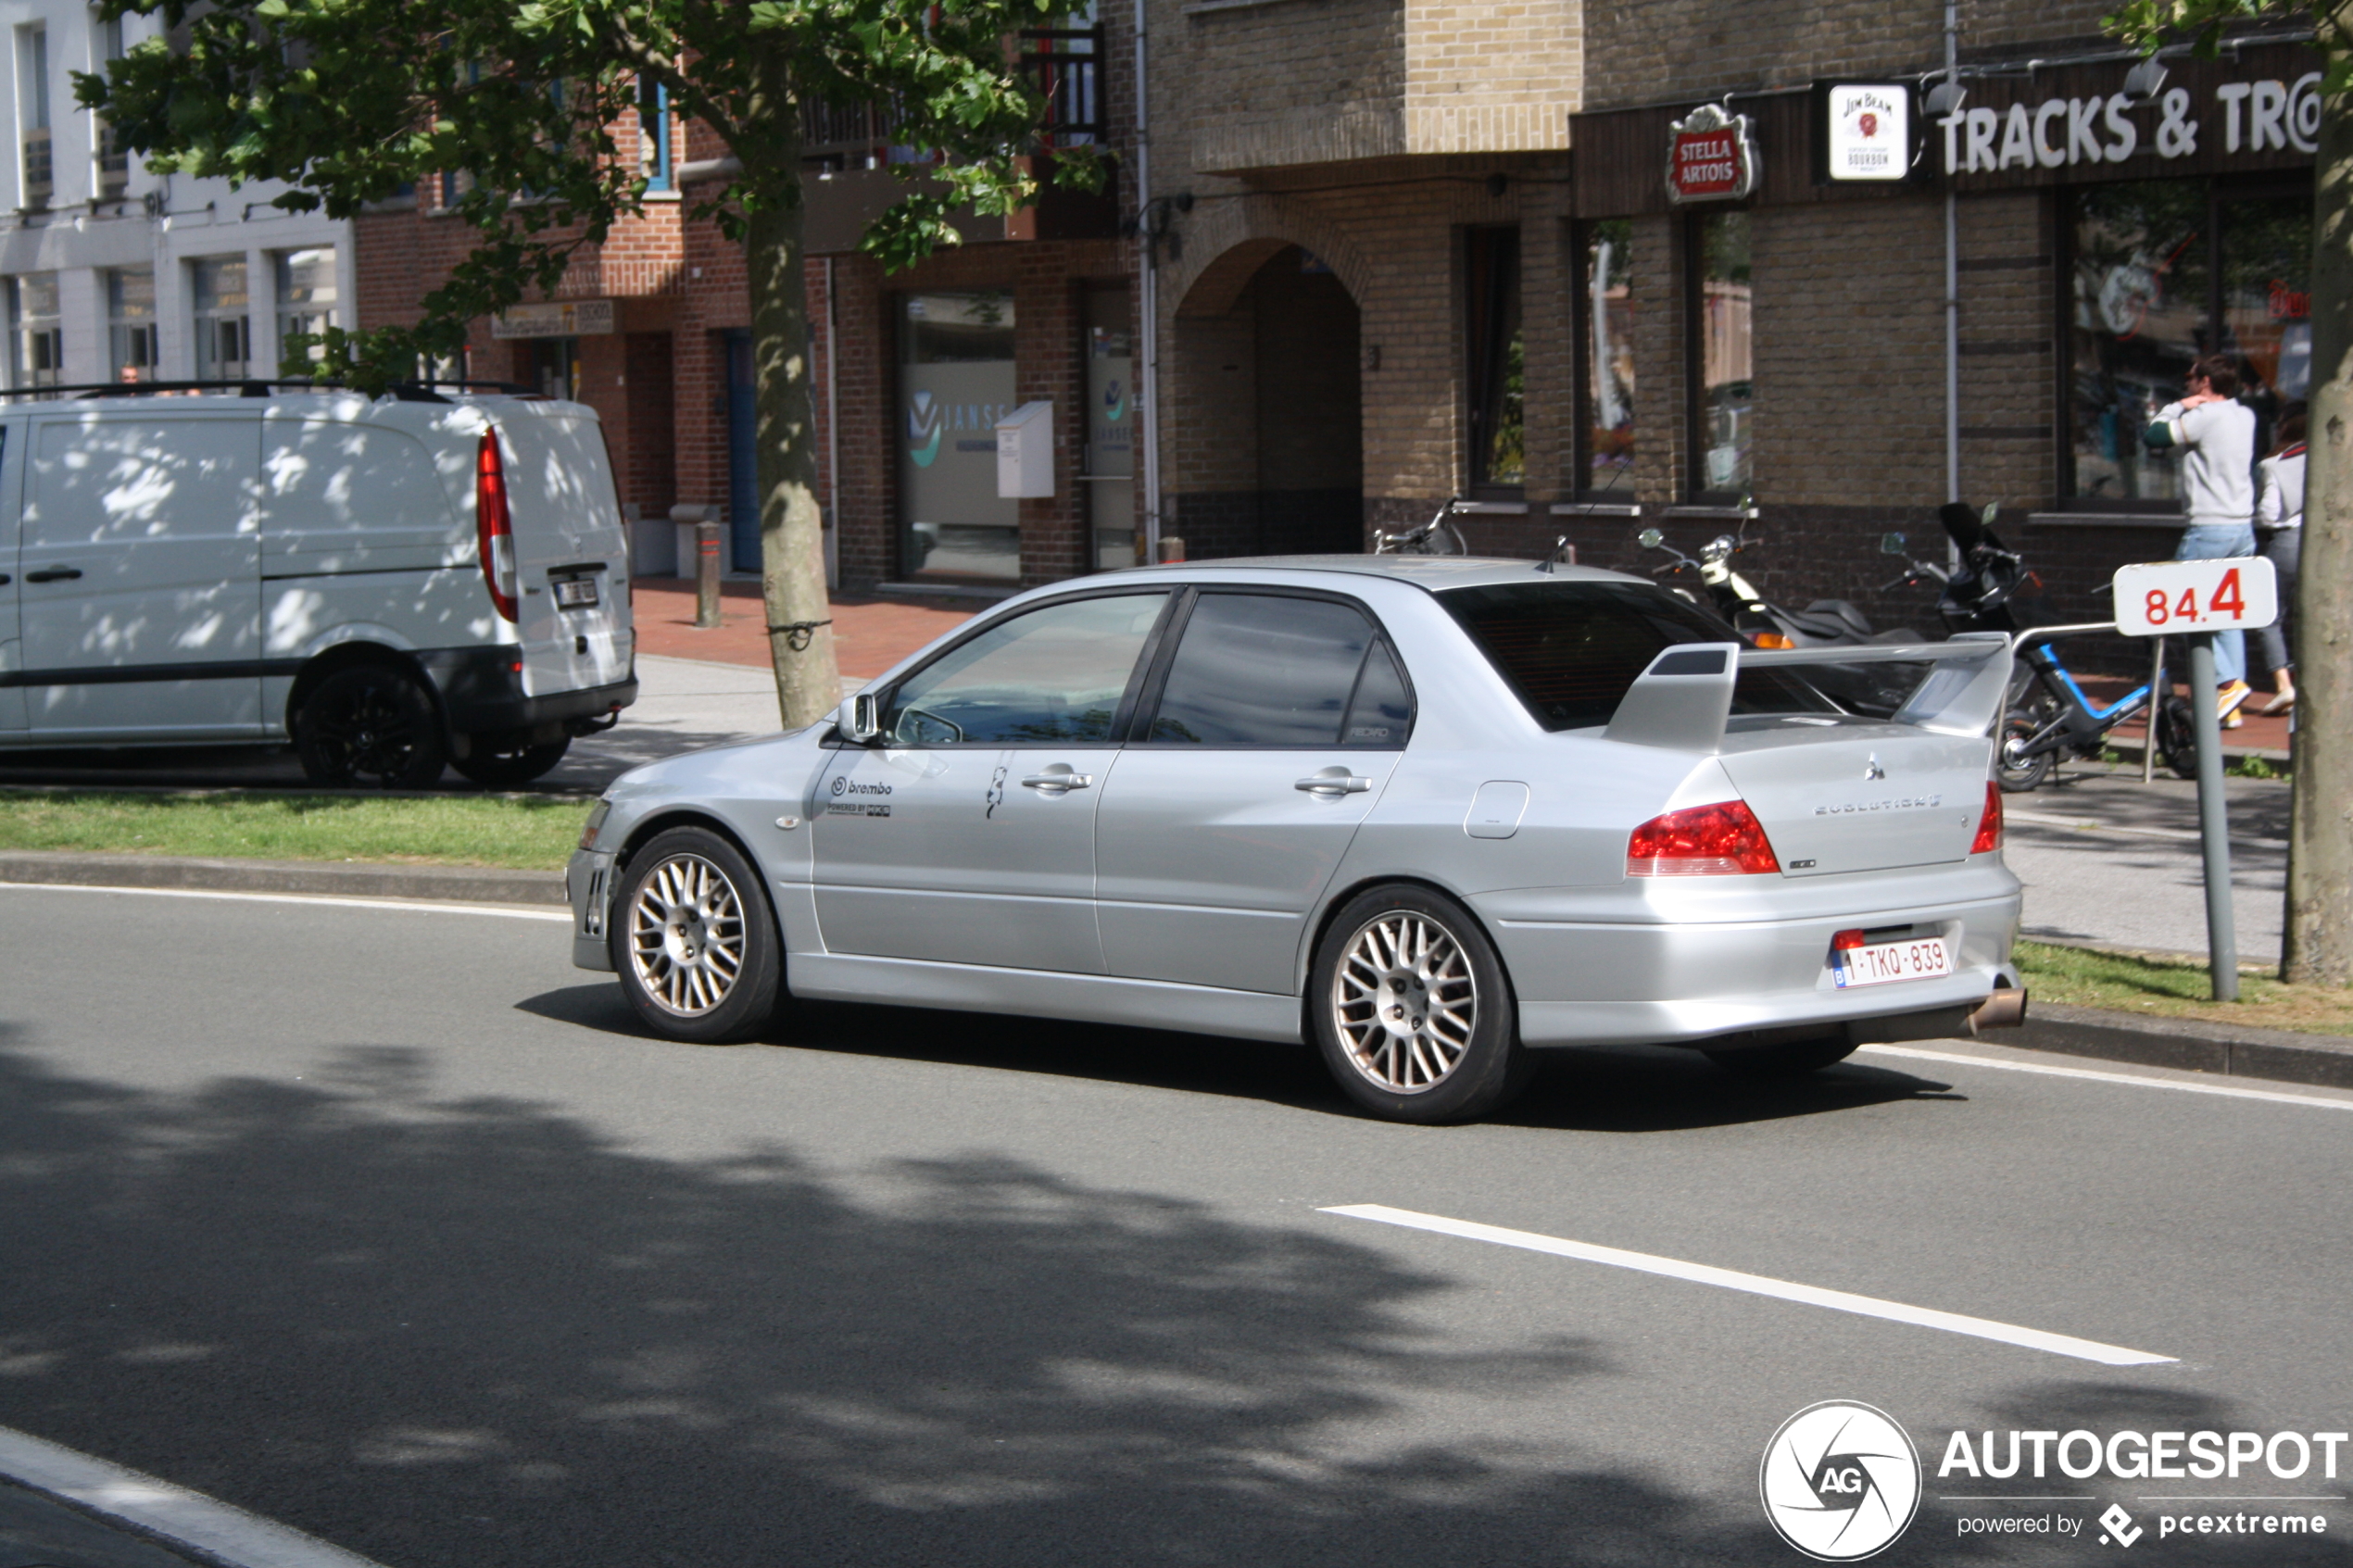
x=1682, y=701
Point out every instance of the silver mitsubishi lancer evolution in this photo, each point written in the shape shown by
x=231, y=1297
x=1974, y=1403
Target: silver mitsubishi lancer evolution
x=1432, y=814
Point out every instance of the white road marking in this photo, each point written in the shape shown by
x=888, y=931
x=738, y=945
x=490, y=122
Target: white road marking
x=2086, y=825
x=1759, y=1284
x=181, y=1517
x=414, y=906
x=2222, y=1089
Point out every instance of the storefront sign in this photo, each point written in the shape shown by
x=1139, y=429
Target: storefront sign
x=2260, y=110
x=1865, y=132
x=569, y=318
x=1711, y=157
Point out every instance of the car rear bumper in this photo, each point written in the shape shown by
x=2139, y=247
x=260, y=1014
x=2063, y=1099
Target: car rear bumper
x=481, y=692
x=1690, y=983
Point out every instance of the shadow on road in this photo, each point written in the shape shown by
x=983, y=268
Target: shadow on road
x=1628, y=1090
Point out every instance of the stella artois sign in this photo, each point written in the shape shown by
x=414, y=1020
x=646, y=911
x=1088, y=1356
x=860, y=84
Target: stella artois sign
x=1711, y=157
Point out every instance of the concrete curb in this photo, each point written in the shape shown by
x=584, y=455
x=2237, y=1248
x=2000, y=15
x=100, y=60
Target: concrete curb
x=2193, y=1045
x=470, y=884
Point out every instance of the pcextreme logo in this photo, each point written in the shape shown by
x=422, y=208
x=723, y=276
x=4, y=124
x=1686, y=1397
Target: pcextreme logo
x=925, y=420
x=1839, y=1481
x=1114, y=402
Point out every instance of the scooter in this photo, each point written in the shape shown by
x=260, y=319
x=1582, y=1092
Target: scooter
x=1875, y=689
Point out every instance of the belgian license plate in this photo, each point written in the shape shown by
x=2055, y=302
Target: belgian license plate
x=576, y=593
x=1876, y=965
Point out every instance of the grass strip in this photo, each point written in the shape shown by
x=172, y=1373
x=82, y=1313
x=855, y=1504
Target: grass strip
x=514, y=832
x=2162, y=987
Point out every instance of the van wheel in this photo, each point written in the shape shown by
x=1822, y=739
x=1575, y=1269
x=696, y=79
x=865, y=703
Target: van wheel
x=369, y=724
x=497, y=765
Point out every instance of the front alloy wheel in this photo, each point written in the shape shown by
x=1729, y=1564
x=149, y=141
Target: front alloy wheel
x=694, y=943
x=1413, y=1015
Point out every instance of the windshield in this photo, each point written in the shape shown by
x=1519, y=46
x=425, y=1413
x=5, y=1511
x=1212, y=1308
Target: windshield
x=1571, y=649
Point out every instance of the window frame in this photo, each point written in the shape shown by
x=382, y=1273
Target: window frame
x=1121, y=717
x=1147, y=708
x=1584, y=404
x=659, y=170
x=1485, y=350
x=1695, y=488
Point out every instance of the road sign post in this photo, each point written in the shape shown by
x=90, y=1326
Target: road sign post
x=2201, y=597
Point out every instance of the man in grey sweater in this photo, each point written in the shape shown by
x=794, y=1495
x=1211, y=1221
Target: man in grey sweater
x=2217, y=434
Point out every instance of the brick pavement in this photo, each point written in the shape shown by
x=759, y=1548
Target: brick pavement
x=870, y=634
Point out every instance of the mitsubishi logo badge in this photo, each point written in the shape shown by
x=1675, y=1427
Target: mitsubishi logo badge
x=1871, y=770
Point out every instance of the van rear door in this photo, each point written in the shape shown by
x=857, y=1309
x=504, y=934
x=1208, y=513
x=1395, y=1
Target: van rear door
x=11, y=648
x=572, y=549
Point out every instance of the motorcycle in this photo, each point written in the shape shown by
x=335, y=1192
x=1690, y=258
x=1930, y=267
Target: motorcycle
x=1874, y=689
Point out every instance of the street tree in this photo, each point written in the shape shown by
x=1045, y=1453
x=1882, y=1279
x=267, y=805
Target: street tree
x=352, y=102
x=2319, y=889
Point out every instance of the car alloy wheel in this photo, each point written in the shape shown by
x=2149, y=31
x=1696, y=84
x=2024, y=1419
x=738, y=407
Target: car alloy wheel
x=1405, y=1002
x=687, y=935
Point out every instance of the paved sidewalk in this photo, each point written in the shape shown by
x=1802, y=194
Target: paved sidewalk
x=870, y=634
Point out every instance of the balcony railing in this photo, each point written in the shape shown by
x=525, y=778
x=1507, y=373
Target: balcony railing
x=1065, y=64
x=39, y=172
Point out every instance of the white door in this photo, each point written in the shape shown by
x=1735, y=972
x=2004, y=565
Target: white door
x=139, y=580
x=11, y=645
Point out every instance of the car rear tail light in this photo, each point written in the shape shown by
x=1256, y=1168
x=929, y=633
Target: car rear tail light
x=1846, y=941
x=494, y=531
x=1723, y=839
x=1989, y=826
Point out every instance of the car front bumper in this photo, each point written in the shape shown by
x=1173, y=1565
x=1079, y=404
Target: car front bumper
x=589, y=889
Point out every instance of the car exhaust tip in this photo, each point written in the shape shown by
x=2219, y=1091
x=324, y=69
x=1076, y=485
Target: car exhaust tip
x=2005, y=1009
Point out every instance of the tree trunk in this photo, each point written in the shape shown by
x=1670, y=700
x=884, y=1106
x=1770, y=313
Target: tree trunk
x=792, y=547
x=2319, y=947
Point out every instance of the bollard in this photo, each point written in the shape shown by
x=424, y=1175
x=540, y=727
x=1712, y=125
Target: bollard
x=1172, y=550
x=706, y=575
x=2221, y=920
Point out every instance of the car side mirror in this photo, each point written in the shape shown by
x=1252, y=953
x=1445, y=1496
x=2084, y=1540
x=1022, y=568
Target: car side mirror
x=1893, y=544
x=1650, y=538
x=858, y=718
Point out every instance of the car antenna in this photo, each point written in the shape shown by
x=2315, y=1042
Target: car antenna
x=1564, y=554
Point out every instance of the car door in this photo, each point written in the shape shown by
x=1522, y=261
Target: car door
x=140, y=597
x=11, y=645
x=1274, y=730
x=967, y=833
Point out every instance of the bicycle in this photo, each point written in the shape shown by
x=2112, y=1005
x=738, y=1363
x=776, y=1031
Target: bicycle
x=1439, y=536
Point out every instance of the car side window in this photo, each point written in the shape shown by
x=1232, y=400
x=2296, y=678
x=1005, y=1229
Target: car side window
x=1056, y=673
x=1382, y=710
x=1264, y=669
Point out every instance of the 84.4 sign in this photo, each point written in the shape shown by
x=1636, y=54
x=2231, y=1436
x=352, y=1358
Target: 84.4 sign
x=2167, y=598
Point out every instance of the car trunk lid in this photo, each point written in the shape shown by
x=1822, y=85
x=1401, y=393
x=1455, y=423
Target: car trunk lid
x=1843, y=796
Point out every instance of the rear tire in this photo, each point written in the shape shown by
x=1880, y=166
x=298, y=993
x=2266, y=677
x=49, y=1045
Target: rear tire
x=2018, y=771
x=1793, y=1059
x=497, y=765
x=694, y=941
x=1411, y=1011
x=2176, y=737
x=371, y=724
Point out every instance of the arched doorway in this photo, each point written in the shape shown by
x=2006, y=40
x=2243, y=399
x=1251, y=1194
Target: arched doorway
x=1268, y=435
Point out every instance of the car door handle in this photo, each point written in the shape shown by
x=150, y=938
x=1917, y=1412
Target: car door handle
x=53, y=575
x=1057, y=783
x=1334, y=784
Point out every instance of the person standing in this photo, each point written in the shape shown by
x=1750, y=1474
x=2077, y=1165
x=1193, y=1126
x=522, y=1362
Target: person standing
x=2217, y=434
x=2279, y=528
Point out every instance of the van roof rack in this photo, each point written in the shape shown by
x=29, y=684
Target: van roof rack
x=403, y=391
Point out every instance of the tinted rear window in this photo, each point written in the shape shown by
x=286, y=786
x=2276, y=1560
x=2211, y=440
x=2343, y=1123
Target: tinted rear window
x=1571, y=649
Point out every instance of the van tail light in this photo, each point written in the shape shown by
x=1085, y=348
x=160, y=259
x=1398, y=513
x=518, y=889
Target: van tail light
x=1989, y=826
x=1723, y=839
x=493, y=530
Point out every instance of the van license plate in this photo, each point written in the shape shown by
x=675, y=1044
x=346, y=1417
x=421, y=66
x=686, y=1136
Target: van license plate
x=576, y=593
x=1924, y=959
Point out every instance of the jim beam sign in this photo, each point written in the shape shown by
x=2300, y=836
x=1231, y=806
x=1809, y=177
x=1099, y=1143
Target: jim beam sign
x=1711, y=156
x=1865, y=133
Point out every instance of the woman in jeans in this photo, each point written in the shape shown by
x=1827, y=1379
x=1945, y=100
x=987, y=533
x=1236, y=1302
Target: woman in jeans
x=2217, y=434
x=2279, y=524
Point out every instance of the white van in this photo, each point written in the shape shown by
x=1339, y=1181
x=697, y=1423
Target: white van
x=393, y=583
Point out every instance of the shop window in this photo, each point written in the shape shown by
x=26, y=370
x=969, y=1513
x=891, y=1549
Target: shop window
x=2162, y=271
x=306, y=296
x=955, y=383
x=224, y=333
x=1496, y=375
x=132, y=345
x=1605, y=322
x=1723, y=381
x=1114, y=408
x=555, y=367
x=36, y=338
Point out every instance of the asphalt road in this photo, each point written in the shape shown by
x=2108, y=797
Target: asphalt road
x=390, y=1225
